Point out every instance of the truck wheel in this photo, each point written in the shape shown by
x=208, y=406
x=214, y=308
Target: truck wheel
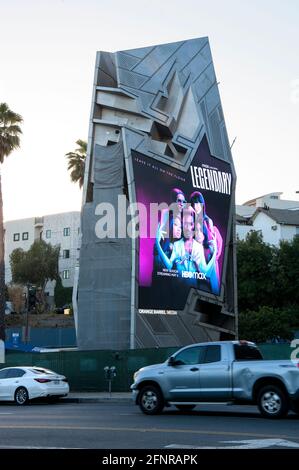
x=151, y=400
x=272, y=402
x=185, y=407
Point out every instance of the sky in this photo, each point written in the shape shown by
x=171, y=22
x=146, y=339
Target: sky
x=47, y=58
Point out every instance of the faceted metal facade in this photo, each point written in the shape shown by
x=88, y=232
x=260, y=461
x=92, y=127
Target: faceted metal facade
x=161, y=101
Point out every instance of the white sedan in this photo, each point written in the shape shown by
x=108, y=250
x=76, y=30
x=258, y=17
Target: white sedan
x=21, y=384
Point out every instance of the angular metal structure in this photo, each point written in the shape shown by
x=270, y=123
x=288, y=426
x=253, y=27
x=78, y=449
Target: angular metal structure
x=156, y=122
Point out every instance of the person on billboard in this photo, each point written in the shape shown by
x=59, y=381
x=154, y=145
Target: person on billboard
x=208, y=234
x=170, y=227
x=166, y=244
x=175, y=211
x=188, y=254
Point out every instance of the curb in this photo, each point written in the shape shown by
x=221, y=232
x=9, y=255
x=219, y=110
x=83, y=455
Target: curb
x=96, y=400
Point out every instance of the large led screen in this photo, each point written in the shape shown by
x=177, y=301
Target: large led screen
x=182, y=244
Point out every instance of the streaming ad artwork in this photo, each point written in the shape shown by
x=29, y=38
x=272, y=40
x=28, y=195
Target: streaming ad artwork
x=181, y=245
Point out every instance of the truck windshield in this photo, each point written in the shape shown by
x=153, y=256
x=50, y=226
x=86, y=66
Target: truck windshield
x=245, y=352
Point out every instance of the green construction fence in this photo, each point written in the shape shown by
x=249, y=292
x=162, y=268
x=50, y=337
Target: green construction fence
x=85, y=369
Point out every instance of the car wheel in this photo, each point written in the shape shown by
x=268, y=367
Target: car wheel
x=272, y=402
x=185, y=407
x=151, y=400
x=21, y=396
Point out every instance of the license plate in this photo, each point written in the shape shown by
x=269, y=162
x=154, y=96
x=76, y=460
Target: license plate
x=56, y=382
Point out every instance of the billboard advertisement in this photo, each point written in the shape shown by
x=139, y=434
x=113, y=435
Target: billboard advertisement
x=183, y=218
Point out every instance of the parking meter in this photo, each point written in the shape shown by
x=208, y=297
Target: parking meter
x=110, y=373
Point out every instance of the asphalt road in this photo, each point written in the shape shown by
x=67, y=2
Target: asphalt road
x=123, y=426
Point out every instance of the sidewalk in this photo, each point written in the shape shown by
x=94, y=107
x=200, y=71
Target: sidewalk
x=98, y=397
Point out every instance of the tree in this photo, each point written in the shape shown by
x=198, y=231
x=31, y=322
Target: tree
x=36, y=266
x=10, y=132
x=288, y=272
x=265, y=324
x=16, y=296
x=268, y=288
x=257, y=272
x=76, y=162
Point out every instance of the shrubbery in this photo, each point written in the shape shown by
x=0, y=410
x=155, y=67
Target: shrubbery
x=268, y=288
x=62, y=295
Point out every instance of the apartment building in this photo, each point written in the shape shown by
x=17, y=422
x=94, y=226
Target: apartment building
x=57, y=229
x=277, y=219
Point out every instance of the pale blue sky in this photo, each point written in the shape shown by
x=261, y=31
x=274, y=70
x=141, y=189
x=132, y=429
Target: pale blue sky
x=47, y=55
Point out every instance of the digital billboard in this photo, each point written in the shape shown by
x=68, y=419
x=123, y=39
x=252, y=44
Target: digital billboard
x=181, y=246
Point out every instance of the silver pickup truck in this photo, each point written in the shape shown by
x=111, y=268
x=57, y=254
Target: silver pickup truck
x=224, y=371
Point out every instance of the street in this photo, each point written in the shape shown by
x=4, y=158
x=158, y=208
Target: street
x=123, y=426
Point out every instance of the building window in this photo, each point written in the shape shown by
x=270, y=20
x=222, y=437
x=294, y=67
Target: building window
x=25, y=236
x=66, y=232
x=297, y=230
x=66, y=254
x=48, y=233
x=66, y=274
x=16, y=237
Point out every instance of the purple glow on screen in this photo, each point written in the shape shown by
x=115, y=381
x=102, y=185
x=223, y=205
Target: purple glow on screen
x=155, y=182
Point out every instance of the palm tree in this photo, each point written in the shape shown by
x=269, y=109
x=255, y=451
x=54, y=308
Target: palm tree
x=76, y=162
x=10, y=132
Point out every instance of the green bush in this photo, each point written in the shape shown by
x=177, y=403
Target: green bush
x=268, y=323
x=62, y=295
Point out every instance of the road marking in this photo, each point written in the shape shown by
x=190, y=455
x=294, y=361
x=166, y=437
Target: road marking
x=262, y=443
x=246, y=444
x=147, y=430
x=38, y=447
